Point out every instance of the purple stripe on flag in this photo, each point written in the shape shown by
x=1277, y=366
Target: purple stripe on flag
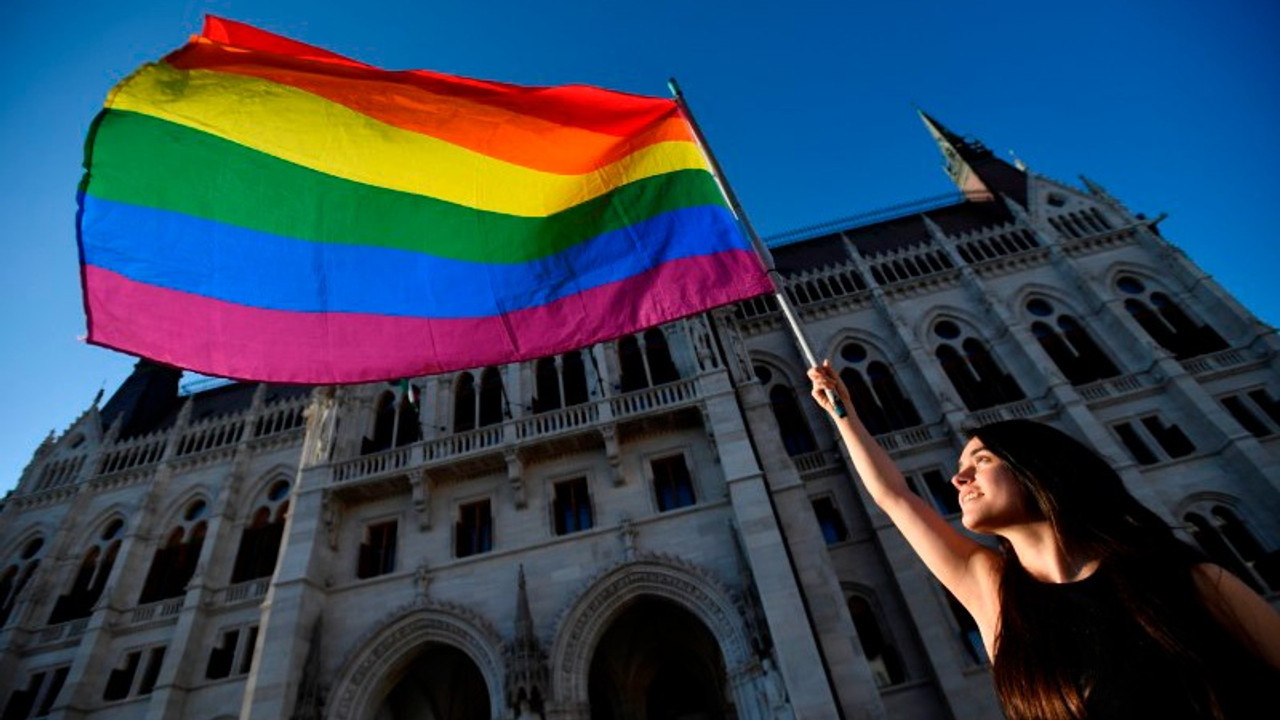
x=241, y=342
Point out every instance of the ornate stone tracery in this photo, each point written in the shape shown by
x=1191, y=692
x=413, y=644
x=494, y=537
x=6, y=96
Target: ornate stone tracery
x=612, y=591
x=374, y=667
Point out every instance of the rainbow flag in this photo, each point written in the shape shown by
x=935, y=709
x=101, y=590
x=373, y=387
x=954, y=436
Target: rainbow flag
x=260, y=209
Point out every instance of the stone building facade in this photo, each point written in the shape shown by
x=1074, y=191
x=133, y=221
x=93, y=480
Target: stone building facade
x=658, y=527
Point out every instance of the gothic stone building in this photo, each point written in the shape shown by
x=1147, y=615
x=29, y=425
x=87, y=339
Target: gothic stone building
x=658, y=527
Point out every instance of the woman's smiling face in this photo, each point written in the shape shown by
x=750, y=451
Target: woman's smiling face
x=991, y=497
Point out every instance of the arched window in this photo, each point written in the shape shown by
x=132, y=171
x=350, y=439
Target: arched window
x=877, y=397
x=645, y=361
x=91, y=578
x=886, y=667
x=559, y=382
x=395, y=416
x=464, y=403
x=384, y=421
x=661, y=367
x=1227, y=541
x=797, y=437
x=492, y=397
x=261, y=537
x=472, y=409
x=175, y=562
x=972, y=370
x=1166, y=322
x=1070, y=347
x=17, y=575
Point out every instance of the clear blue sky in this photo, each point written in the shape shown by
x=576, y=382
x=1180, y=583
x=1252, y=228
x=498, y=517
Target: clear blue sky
x=810, y=107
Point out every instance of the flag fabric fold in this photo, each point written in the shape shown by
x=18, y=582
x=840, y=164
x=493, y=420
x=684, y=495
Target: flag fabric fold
x=260, y=209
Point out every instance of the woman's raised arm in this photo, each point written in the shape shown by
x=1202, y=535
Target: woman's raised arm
x=964, y=566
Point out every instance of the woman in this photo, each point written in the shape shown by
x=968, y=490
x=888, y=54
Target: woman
x=1088, y=604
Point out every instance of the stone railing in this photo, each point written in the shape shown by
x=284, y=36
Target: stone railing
x=905, y=439
x=1217, y=361
x=1110, y=388
x=375, y=464
x=62, y=631
x=494, y=438
x=156, y=610
x=240, y=592
x=551, y=423
x=1008, y=411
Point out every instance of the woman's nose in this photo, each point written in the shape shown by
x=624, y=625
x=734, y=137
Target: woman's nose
x=960, y=479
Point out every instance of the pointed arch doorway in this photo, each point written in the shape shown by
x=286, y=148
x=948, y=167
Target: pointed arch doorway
x=657, y=661
x=439, y=683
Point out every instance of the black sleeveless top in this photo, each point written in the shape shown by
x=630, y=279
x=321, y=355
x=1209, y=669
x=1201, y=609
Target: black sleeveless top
x=1124, y=674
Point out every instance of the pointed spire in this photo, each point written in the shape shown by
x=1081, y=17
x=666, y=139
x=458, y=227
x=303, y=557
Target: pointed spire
x=527, y=673
x=975, y=170
x=960, y=155
x=524, y=618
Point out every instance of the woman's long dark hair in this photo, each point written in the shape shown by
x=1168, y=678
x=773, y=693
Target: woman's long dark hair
x=1095, y=517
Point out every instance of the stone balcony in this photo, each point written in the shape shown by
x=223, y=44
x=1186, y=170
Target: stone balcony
x=598, y=425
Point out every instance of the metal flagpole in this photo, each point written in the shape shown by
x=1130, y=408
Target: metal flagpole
x=793, y=320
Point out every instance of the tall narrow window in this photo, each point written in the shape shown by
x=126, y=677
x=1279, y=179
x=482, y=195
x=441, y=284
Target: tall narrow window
x=17, y=575
x=886, y=668
x=384, y=422
x=92, y=577
x=661, y=367
x=378, y=551
x=260, y=540
x=645, y=361
x=473, y=533
x=492, y=397
x=560, y=382
x=829, y=520
x=1069, y=346
x=572, y=506
x=877, y=397
x=547, y=384
x=672, y=483
x=464, y=403
x=797, y=437
x=1166, y=322
x=175, y=562
x=1134, y=443
x=972, y=370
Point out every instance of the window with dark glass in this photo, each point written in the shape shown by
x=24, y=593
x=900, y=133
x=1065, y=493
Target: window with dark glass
x=973, y=372
x=15, y=577
x=1134, y=443
x=262, y=535
x=572, y=506
x=175, y=562
x=829, y=520
x=672, y=483
x=943, y=493
x=378, y=551
x=233, y=654
x=1166, y=322
x=886, y=668
x=1172, y=440
x=473, y=533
